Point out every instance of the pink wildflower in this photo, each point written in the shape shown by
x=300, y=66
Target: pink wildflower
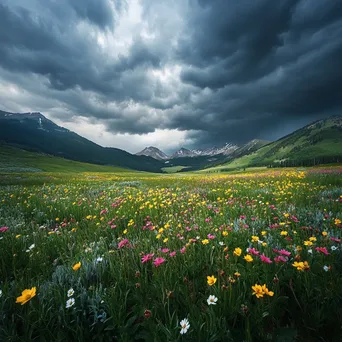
x=172, y=254
x=3, y=229
x=280, y=258
x=211, y=237
x=265, y=259
x=322, y=250
x=284, y=252
x=123, y=243
x=147, y=257
x=165, y=250
x=158, y=261
x=253, y=251
x=183, y=250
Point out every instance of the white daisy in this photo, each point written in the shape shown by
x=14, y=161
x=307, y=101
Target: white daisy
x=0, y=293
x=325, y=268
x=99, y=259
x=71, y=292
x=212, y=300
x=70, y=302
x=333, y=248
x=185, y=325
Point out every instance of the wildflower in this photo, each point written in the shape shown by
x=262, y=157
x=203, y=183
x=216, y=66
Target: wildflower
x=253, y=251
x=308, y=243
x=284, y=252
x=70, y=292
x=237, y=251
x=205, y=241
x=322, y=250
x=123, y=243
x=147, y=314
x=263, y=233
x=248, y=258
x=333, y=248
x=258, y=291
x=172, y=254
x=283, y=233
x=237, y=274
x=158, y=261
x=265, y=259
x=0, y=293
x=99, y=259
x=326, y=268
x=298, y=265
x=266, y=291
x=211, y=280
x=324, y=233
x=185, y=325
x=255, y=238
x=337, y=221
x=212, y=300
x=280, y=258
x=3, y=229
x=147, y=257
x=76, y=266
x=221, y=243
x=224, y=233
x=26, y=295
x=70, y=302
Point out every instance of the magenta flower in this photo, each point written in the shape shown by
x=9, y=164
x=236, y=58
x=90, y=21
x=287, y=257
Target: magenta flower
x=284, y=252
x=3, y=229
x=265, y=259
x=211, y=237
x=147, y=257
x=322, y=250
x=253, y=251
x=158, y=261
x=279, y=259
x=172, y=254
x=183, y=250
x=335, y=239
x=165, y=250
x=124, y=243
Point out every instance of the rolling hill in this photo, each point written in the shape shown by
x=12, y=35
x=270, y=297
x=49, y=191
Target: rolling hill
x=34, y=132
x=316, y=143
x=13, y=159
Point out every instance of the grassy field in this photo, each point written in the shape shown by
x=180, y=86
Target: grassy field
x=174, y=169
x=253, y=256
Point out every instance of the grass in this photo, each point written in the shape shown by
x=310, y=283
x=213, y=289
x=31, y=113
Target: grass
x=146, y=245
x=174, y=169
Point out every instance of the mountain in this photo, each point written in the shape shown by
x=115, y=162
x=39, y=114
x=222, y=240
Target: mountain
x=34, y=132
x=183, y=152
x=226, y=150
x=153, y=152
x=317, y=143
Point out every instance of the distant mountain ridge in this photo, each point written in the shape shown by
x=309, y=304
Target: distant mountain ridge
x=156, y=153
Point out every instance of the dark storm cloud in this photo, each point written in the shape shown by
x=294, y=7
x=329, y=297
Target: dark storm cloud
x=229, y=71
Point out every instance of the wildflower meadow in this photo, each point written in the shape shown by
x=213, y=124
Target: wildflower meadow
x=138, y=257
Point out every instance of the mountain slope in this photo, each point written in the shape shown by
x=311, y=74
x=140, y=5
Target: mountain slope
x=153, y=152
x=316, y=143
x=13, y=159
x=33, y=131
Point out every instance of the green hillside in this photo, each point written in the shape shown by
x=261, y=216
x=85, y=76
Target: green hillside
x=16, y=160
x=34, y=132
x=317, y=143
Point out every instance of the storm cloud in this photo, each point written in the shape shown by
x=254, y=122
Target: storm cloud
x=217, y=70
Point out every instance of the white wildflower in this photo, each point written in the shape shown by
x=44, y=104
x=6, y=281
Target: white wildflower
x=70, y=302
x=185, y=325
x=212, y=300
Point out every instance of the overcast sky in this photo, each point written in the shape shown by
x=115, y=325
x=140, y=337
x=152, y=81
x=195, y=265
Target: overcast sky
x=172, y=73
